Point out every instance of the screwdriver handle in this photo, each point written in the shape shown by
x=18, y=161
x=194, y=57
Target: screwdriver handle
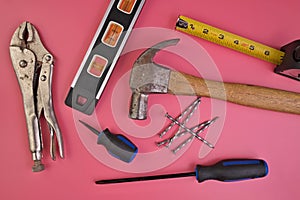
x=117, y=145
x=232, y=170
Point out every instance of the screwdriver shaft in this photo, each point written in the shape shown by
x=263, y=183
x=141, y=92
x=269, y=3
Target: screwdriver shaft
x=146, y=178
x=90, y=127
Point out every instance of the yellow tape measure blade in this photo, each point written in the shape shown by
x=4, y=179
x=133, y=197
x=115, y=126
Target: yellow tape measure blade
x=229, y=40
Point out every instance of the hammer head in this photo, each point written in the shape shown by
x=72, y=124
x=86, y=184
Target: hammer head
x=148, y=77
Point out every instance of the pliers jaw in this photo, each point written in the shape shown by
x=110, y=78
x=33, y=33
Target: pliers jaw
x=33, y=66
x=26, y=37
x=22, y=35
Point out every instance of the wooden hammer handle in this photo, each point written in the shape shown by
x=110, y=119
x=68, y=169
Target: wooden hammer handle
x=247, y=95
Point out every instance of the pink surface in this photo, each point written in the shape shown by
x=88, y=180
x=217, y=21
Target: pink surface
x=67, y=27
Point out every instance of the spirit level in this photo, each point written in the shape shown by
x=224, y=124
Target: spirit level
x=287, y=59
x=102, y=54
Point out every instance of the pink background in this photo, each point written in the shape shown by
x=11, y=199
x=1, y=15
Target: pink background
x=67, y=27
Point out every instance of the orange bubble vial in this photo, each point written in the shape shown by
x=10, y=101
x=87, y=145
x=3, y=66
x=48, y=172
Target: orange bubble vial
x=126, y=6
x=97, y=66
x=112, y=34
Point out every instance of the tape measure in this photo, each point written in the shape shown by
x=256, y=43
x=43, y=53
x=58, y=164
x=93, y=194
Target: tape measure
x=229, y=40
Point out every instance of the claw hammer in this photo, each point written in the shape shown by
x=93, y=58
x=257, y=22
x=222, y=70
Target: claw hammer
x=148, y=77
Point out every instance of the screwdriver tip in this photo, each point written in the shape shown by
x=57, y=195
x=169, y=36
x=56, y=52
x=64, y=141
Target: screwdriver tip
x=89, y=127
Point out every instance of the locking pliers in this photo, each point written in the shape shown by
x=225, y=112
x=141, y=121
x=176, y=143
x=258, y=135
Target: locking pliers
x=33, y=66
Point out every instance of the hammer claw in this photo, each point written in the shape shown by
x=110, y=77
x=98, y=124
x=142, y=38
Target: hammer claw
x=148, y=55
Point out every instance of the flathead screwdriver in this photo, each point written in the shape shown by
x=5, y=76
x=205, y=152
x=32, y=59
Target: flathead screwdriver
x=116, y=145
x=225, y=170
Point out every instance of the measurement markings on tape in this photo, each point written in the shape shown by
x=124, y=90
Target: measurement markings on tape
x=229, y=40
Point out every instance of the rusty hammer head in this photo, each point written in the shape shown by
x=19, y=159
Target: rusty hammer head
x=148, y=77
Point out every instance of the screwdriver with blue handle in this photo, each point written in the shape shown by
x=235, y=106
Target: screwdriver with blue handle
x=116, y=145
x=225, y=170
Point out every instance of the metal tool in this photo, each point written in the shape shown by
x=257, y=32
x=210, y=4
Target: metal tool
x=33, y=65
x=147, y=77
x=190, y=131
x=168, y=140
x=116, y=145
x=203, y=126
x=190, y=109
x=287, y=58
x=226, y=170
x=188, y=116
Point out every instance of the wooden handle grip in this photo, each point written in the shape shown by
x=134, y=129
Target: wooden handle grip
x=247, y=95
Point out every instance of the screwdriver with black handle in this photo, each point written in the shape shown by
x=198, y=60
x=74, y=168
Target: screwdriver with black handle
x=116, y=145
x=225, y=170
